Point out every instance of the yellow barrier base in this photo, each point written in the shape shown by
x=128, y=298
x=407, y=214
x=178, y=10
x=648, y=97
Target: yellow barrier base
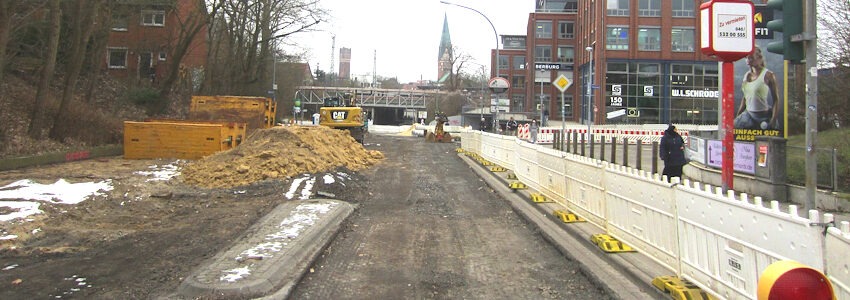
x=610, y=244
x=497, y=169
x=680, y=289
x=516, y=185
x=511, y=176
x=567, y=217
x=459, y=150
x=539, y=198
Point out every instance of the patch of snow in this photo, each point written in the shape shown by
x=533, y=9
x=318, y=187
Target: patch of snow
x=161, y=173
x=301, y=218
x=307, y=191
x=329, y=179
x=235, y=274
x=60, y=192
x=21, y=209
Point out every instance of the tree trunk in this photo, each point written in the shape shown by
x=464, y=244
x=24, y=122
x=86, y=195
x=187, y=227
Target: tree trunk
x=192, y=25
x=82, y=28
x=37, y=116
x=5, y=30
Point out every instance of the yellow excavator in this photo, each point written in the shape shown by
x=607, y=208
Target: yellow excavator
x=439, y=135
x=343, y=113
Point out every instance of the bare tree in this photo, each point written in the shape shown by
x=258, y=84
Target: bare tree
x=833, y=53
x=83, y=14
x=37, y=118
x=245, y=35
x=197, y=19
x=14, y=15
x=459, y=66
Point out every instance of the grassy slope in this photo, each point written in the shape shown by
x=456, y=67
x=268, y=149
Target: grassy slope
x=838, y=139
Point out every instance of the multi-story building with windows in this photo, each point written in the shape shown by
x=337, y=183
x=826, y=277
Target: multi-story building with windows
x=646, y=61
x=143, y=36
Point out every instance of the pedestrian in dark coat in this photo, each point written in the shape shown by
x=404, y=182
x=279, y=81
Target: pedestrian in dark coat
x=672, y=153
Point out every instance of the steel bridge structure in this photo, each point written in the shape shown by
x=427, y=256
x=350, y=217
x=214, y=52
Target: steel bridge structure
x=370, y=97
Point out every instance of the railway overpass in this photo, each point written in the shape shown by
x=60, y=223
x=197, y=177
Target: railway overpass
x=384, y=106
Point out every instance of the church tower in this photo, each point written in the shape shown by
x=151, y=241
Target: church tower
x=445, y=56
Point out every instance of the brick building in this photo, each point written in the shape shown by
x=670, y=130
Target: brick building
x=143, y=37
x=646, y=61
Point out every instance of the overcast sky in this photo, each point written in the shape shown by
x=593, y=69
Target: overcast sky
x=405, y=35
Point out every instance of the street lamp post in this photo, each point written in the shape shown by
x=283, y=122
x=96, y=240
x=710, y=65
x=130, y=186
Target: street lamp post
x=589, y=89
x=495, y=118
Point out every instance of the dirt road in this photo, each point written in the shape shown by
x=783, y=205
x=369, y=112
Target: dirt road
x=426, y=227
x=432, y=229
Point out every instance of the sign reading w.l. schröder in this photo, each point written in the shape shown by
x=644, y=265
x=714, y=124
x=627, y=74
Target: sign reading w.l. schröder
x=694, y=93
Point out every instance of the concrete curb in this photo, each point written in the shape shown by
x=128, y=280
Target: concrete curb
x=59, y=157
x=622, y=275
x=264, y=271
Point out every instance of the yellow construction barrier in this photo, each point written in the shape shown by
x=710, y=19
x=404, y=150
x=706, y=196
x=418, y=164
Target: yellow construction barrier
x=567, y=217
x=180, y=139
x=511, y=176
x=609, y=244
x=539, y=198
x=516, y=185
x=680, y=289
x=497, y=169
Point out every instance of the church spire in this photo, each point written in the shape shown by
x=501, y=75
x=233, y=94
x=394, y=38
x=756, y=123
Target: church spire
x=445, y=39
x=445, y=57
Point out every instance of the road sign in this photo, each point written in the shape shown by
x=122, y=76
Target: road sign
x=499, y=85
x=562, y=83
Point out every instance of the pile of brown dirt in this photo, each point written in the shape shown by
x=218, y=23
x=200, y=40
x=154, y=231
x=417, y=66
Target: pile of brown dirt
x=280, y=152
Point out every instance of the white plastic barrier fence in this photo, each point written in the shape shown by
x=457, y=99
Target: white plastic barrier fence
x=719, y=241
x=838, y=271
x=546, y=135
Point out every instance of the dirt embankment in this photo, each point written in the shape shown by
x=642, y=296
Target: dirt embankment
x=280, y=152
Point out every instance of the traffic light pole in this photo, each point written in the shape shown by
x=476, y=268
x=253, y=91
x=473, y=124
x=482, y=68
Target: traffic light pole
x=811, y=103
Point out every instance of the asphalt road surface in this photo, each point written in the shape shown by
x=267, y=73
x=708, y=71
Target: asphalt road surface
x=429, y=228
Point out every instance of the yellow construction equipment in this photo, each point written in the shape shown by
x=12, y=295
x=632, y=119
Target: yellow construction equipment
x=439, y=135
x=342, y=113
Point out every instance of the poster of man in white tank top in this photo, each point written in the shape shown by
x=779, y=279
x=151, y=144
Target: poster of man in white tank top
x=759, y=80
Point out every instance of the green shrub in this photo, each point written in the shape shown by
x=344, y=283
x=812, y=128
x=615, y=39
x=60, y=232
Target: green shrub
x=148, y=98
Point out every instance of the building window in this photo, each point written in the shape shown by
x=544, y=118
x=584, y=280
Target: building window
x=517, y=102
x=682, y=39
x=162, y=56
x=153, y=18
x=518, y=82
x=618, y=7
x=117, y=58
x=683, y=8
x=119, y=22
x=503, y=62
x=543, y=53
x=649, y=39
x=566, y=30
x=617, y=38
x=519, y=62
x=650, y=8
x=543, y=29
x=554, y=6
x=566, y=54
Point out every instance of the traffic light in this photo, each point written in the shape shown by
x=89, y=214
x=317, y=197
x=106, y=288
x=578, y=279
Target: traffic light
x=790, y=24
